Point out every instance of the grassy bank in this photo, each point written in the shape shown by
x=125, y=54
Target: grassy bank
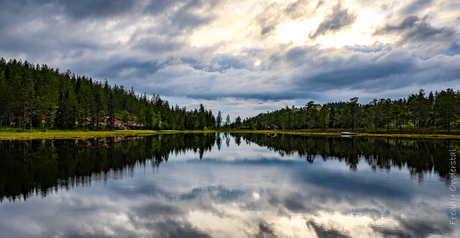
x=335, y=132
x=15, y=135
x=410, y=134
x=56, y=134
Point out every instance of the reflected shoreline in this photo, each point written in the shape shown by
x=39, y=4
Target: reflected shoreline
x=41, y=166
x=226, y=185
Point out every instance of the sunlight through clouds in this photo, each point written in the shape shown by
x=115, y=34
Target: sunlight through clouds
x=246, y=49
x=297, y=32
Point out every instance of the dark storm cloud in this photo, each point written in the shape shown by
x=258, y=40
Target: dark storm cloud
x=367, y=68
x=339, y=19
x=414, y=29
x=95, y=8
x=75, y=9
x=299, y=71
x=84, y=35
x=306, y=69
x=181, y=17
x=359, y=74
x=85, y=9
x=48, y=27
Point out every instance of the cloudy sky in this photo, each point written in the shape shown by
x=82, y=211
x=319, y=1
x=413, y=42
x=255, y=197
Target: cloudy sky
x=243, y=57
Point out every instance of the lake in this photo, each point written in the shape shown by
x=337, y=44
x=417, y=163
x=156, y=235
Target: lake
x=229, y=185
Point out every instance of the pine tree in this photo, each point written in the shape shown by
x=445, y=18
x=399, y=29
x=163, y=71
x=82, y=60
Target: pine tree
x=354, y=111
x=28, y=95
x=60, y=112
x=99, y=108
x=227, y=121
x=419, y=107
x=219, y=120
x=238, y=122
x=387, y=112
x=201, y=117
x=47, y=101
x=447, y=107
x=324, y=116
x=5, y=98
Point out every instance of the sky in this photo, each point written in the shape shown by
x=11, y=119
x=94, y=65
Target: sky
x=243, y=57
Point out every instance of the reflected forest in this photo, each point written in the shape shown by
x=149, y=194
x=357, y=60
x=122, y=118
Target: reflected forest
x=39, y=167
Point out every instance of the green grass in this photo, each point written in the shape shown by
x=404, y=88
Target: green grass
x=336, y=132
x=55, y=134
x=17, y=134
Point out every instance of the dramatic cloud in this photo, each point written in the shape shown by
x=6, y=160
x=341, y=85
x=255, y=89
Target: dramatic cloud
x=414, y=30
x=234, y=55
x=338, y=20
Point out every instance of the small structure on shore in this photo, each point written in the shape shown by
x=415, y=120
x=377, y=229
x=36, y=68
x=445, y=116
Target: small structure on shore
x=272, y=127
x=348, y=134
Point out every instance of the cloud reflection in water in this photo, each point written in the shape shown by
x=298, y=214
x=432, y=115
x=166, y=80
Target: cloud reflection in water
x=257, y=193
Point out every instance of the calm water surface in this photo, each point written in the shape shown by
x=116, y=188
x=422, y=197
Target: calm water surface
x=221, y=185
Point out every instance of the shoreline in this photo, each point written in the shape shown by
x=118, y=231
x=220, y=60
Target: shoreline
x=77, y=134
x=6, y=135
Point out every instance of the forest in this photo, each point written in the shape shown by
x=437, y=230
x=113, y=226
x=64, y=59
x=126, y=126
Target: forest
x=38, y=96
x=435, y=111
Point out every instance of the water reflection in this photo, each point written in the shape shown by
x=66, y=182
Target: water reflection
x=349, y=187
x=420, y=156
x=41, y=166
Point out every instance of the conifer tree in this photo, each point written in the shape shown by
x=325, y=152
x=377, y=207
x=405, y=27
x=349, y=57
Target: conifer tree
x=60, y=112
x=447, y=107
x=238, y=122
x=99, y=108
x=5, y=94
x=219, y=120
x=227, y=121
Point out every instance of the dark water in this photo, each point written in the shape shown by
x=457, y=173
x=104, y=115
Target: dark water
x=220, y=185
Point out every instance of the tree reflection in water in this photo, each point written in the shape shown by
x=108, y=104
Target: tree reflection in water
x=237, y=189
x=41, y=166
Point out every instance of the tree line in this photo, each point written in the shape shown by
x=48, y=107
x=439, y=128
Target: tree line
x=38, y=96
x=438, y=110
